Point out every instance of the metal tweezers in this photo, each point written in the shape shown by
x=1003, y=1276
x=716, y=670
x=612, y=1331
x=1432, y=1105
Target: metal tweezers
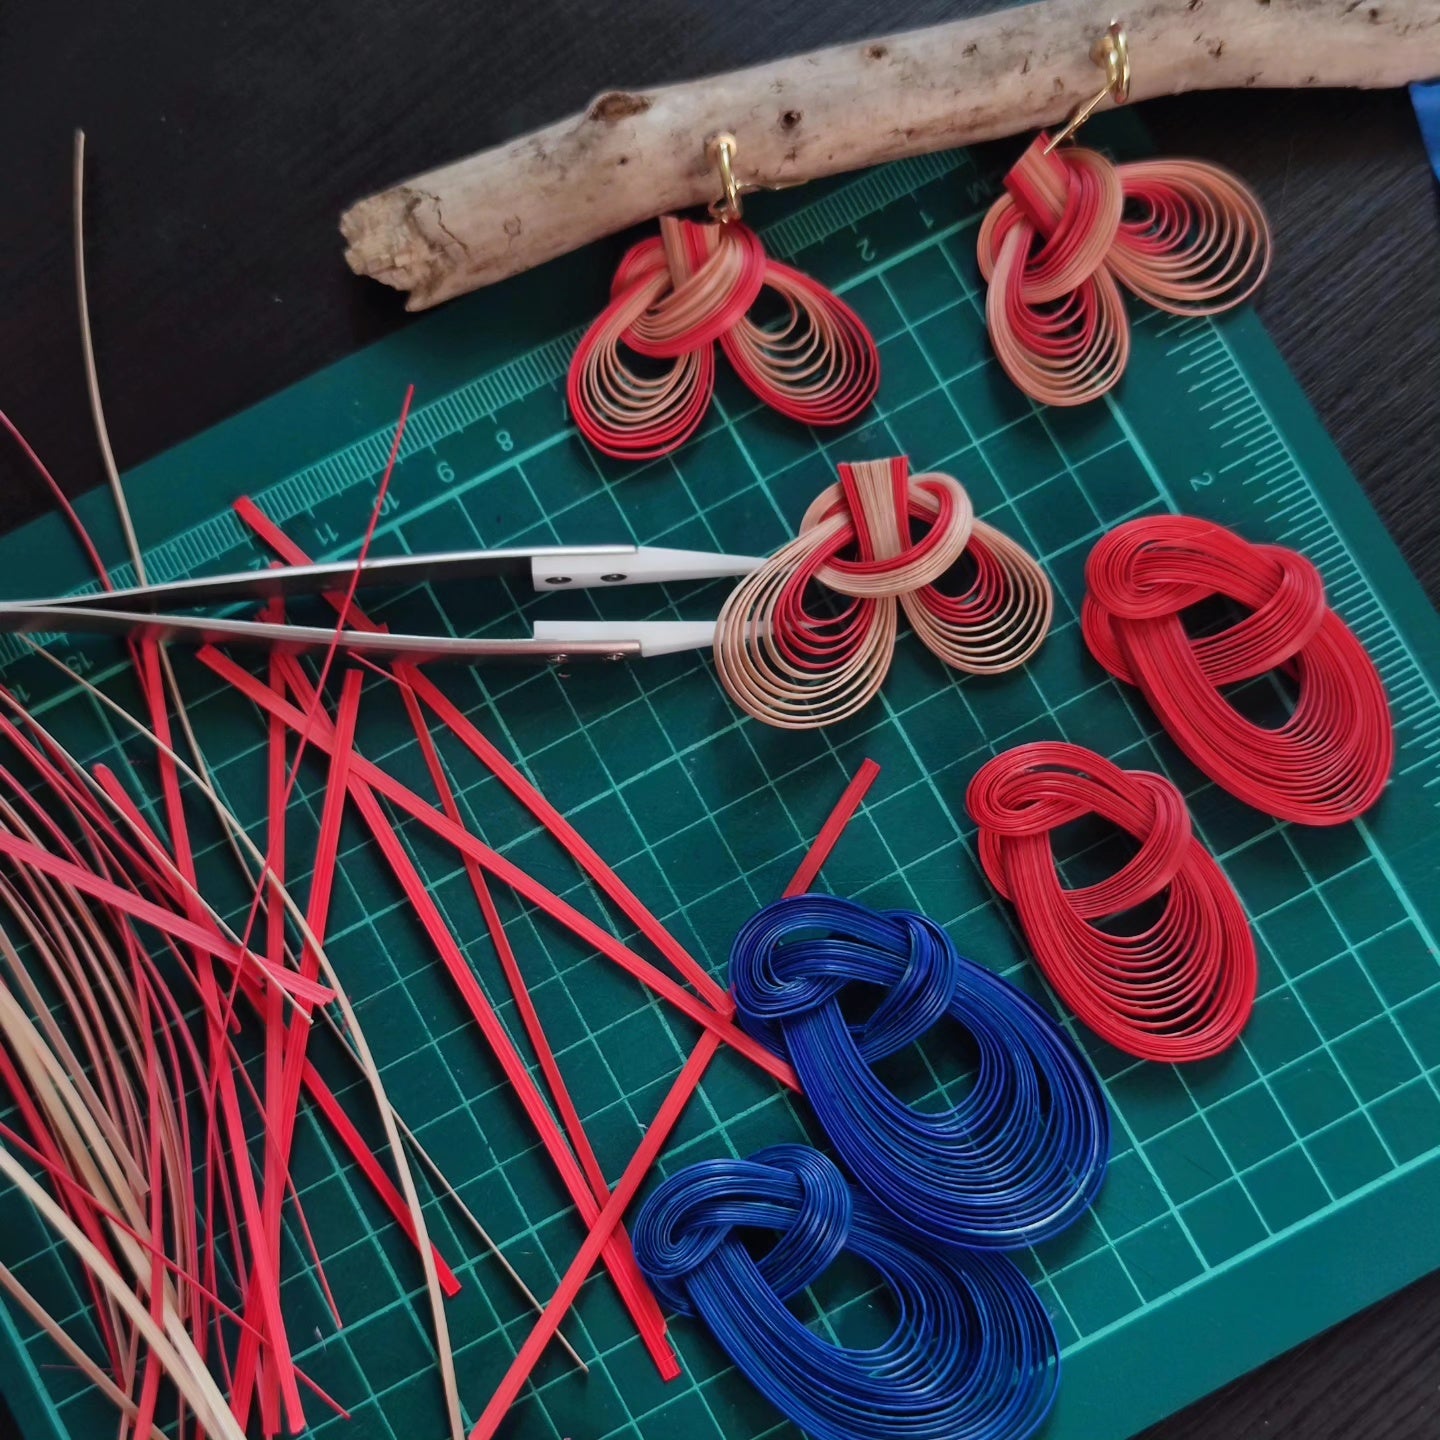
x=148, y=609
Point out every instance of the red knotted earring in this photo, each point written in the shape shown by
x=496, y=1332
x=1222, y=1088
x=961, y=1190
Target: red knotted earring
x=675, y=297
x=1179, y=986
x=1073, y=227
x=1329, y=760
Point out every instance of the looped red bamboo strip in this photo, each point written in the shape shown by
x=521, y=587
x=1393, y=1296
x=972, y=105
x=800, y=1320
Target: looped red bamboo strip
x=1180, y=988
x=673, y=298
x=1182, y=235
x=797, y=670
x=1330, y=759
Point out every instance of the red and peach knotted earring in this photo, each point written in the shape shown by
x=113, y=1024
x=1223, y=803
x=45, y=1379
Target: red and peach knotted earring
x=675, y=297
x=1073, y=227
x=790, y=658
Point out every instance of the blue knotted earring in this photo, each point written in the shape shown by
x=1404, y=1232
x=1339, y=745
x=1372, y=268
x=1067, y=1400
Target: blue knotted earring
x=1019, y=1158
x=972, y=1353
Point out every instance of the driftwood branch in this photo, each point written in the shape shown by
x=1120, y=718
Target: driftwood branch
x=631, y=156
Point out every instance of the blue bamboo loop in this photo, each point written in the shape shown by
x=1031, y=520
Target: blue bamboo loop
x=973, y=1355
x=1016, y=1160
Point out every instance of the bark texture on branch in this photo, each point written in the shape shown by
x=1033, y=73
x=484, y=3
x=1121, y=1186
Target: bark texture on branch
x=633, y=155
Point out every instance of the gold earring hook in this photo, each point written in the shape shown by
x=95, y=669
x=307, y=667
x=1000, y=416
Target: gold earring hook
x=1111, y=52
x=721, y=150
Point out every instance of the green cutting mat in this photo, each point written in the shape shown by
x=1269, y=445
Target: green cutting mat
x=1252, y=1200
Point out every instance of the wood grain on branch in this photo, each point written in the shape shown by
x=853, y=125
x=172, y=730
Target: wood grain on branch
x=633, y=155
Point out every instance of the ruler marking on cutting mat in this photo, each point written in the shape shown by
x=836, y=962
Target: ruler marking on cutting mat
x=873, y=192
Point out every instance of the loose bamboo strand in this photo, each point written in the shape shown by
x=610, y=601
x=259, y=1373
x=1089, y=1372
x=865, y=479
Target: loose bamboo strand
x=92, y=380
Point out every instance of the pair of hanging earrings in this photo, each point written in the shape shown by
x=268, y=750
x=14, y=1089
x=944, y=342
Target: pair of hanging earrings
x=1072, y=229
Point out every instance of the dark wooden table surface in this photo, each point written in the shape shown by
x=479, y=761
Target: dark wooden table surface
x=225, y=139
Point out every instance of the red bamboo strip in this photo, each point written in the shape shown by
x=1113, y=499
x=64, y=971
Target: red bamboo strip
x=283, y=1060
x=62, y=502
x=601, y=1228
x=264, y=1263
x=273, y=1016
x=830, y=833
x=575, y=844
x=153, y=876
x=152, y=1370
x=510, y=966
